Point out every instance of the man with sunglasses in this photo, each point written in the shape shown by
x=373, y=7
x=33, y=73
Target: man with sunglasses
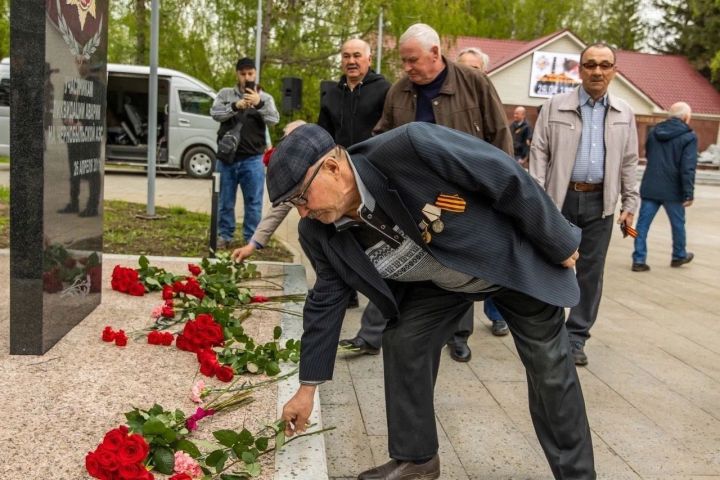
x=584, y=153
x=424, y=220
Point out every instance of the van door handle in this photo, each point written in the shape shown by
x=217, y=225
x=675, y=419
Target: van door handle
x=184, y=123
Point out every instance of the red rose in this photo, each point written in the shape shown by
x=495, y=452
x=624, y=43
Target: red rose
x=167, y=338
x=108, y=460
x=134, y=450
x=181, y=476
x=92, y=465
x=108, y=335
x=168, y=312
x=258, y=299
x=178, y=286
x=224, y=373
x=132, y=471
x=204, y=319
x=120, y=338
x=266, y=156
x=182, y=343
x=114, y=439
x=153, y=338
x=137, y=289
x=194, y=269
x=209, y=369
x=167, y=292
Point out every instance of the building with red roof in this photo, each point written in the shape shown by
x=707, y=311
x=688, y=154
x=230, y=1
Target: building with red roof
x=527, y=72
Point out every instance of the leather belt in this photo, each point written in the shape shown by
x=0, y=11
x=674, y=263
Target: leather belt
x=585, y=187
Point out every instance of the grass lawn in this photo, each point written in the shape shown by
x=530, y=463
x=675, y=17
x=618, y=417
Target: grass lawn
x=179, y=233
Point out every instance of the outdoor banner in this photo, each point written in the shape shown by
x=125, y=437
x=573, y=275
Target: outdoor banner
x=553, y=73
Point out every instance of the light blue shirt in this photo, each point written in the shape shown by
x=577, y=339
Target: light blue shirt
x=590, y=157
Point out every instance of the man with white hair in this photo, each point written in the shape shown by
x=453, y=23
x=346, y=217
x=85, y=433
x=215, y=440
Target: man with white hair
x=668, y=182
x=474, y=58
x=436, y=90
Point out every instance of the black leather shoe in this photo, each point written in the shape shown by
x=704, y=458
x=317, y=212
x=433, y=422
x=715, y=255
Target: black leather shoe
x=577, y=350
x=397, y=470
x=682, y=261
x=640, y=267
x=500, y=328
x=69, y=208
x=460, y=352
x=358, y=345
x=89, y=212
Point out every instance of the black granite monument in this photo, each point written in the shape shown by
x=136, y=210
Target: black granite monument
x=58, y=69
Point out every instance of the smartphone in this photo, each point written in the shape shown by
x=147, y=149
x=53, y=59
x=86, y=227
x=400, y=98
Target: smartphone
x=250, y=84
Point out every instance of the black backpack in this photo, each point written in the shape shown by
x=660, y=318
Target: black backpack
x=228, y=144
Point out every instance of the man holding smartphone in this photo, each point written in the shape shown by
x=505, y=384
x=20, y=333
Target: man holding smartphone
x=248, y=105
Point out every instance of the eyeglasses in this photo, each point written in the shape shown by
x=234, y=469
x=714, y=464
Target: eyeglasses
x=604, y=66
x=300, y=199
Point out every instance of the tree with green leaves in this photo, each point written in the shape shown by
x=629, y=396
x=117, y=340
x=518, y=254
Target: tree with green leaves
x=4, y=28
x=691, y=28
x=623, y=27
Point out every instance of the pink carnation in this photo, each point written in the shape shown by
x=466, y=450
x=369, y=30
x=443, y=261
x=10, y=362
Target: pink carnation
x=184, y=463
x=197, y=391
x=157, y=311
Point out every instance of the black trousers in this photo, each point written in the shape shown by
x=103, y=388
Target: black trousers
x=372, y=325
x=412, y=344
x=585, y=209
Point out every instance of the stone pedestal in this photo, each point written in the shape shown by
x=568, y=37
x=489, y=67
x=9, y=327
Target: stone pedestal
x=58, y=68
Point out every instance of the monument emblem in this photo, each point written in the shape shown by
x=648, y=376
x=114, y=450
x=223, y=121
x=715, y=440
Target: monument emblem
x=82, y=43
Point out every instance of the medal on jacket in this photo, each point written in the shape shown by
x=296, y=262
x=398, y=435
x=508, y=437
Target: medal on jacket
x=451, y=203
x=431, y=219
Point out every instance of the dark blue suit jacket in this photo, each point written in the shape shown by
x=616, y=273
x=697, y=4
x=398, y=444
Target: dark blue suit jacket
x=510, y=233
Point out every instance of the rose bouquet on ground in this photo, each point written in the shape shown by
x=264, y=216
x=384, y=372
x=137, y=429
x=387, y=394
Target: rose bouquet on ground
x=201, y=313
x=122, y=455
x=157, y=440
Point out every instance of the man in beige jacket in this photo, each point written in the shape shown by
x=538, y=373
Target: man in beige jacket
x=584, y=153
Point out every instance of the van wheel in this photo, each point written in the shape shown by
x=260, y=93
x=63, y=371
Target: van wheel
x=198, y=162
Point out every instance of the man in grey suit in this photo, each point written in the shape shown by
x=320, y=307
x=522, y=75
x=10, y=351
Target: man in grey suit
x=407, y=219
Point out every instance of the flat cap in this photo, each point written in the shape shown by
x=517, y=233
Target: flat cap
x=292, y=158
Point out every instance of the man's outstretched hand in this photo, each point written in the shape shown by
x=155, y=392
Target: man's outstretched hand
x=297, y=410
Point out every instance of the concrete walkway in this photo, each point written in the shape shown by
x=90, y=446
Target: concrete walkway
x=652, y=387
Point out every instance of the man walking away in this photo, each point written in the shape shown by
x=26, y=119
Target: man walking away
x=668, y=182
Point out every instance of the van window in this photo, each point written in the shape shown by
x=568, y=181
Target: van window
x=4, y=85
x=195, y=102
x=5, y=92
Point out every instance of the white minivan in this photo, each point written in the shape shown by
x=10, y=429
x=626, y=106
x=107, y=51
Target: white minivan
x=186, y=134
x=5, y=108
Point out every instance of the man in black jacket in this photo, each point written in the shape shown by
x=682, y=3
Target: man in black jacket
x=424, y=220
x=350, y=110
